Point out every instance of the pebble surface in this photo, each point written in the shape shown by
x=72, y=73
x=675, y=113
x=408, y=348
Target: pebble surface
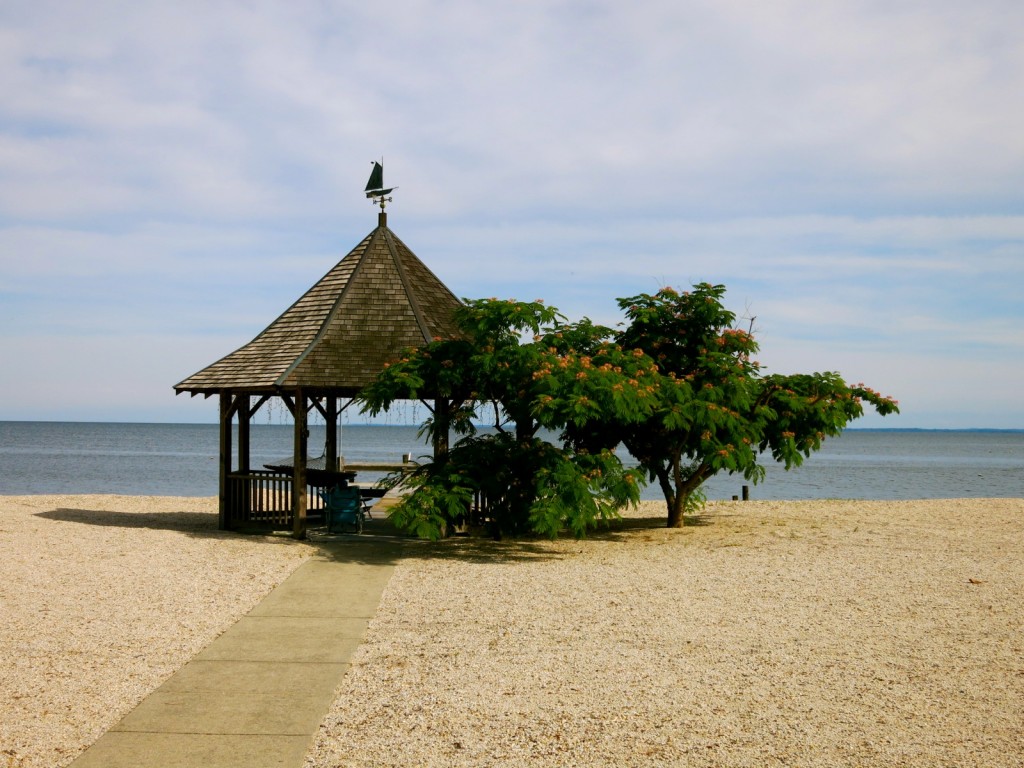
x=825, y=633
x=102, y=598
x=822, y=633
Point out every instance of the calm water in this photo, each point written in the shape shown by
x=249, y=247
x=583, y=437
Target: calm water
x=181, y=460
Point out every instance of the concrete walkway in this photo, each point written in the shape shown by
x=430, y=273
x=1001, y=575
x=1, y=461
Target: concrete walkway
x=257, y=694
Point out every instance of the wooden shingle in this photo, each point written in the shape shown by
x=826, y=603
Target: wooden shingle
x=377, y=301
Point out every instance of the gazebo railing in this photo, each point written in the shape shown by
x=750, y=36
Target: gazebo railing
x=263, y=499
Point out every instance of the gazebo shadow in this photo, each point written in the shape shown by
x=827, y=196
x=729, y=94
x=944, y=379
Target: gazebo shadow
x=199, y=524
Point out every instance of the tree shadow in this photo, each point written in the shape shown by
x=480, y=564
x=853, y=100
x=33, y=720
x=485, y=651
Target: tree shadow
x=478, y=547
x=470, y=549
x=629, y=524
x=481, y=550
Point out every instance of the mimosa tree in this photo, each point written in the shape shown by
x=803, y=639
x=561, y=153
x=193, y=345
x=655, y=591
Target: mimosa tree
x=701, y=405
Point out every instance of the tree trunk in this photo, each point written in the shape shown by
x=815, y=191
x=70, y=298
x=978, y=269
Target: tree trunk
x=442, y=426
x=678, y=484
x=675, y=512
x=678, y=493
x=673, y=500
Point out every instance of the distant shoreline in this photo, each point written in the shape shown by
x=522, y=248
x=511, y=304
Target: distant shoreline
x=997, y=430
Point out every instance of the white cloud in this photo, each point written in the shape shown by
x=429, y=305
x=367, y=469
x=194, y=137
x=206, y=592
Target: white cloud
x=849, y=170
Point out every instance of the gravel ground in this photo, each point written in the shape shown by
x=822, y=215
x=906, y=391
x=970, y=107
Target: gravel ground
x=827, y=633
x=102, y=598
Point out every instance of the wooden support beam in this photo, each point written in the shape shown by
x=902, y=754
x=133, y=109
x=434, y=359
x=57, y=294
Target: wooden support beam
x=259, y=404
x=288, y=403
x=225, y=460
x=244, y=416
x=321, y=409
x=236, y=401
x=299, y=467
x=331, y=418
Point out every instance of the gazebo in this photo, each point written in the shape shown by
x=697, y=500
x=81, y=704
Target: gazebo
x=377, y=301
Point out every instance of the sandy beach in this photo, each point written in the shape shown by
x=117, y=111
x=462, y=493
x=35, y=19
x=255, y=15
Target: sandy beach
x=102, y=598
x=773, y=633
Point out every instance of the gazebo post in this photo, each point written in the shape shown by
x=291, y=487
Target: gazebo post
x=299, y=467
x=243, y=407
x=332, y=433
x=244, y=416
x=225, y=459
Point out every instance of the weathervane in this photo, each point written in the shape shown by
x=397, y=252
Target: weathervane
x=375, y=189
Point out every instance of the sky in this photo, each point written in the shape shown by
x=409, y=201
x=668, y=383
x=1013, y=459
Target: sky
x=174, y=175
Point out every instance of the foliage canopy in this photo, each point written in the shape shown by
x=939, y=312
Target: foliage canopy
x=526, y=484
x=709, y=408
x=677, y=385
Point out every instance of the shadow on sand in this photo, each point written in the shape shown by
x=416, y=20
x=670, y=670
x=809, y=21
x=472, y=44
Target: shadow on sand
x=627, y=525
x=380, y=542
x=483, y=549
x=193, y=523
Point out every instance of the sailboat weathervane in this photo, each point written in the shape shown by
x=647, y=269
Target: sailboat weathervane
x=375, y=189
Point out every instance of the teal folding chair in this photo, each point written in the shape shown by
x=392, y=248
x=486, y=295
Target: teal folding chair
x=343, y=508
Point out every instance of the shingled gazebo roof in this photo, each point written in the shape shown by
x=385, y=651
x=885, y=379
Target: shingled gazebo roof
x=377, y=301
